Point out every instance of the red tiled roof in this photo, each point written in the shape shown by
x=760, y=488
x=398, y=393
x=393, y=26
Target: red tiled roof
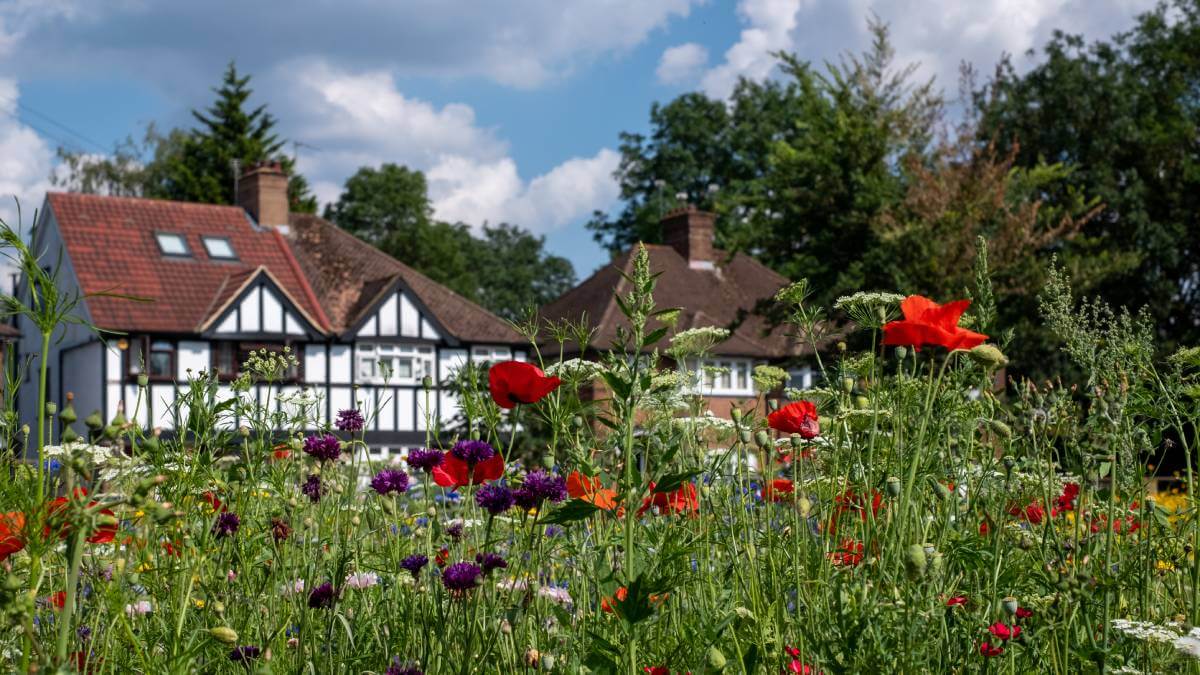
x=350, y=276
x=734, y=295
x=111, y=244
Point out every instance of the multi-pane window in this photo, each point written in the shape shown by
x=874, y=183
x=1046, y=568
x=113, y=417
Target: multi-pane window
x=152, y=357
x=492, y=354
x=227, y=358
x=380, y=363
x=724, y=377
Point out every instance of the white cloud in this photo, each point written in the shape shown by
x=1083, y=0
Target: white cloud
x=681, y=63
x=362, y=119
x=769, y=29
x=25, y=161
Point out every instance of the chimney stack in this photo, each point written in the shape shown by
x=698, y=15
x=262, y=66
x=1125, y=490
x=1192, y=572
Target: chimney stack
x=263, y=192
x=689, y=231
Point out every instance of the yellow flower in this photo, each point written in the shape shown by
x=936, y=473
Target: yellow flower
x=198, y=603
x=1164, y=565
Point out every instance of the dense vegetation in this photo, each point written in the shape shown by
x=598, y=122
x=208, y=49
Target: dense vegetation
x=904, y=516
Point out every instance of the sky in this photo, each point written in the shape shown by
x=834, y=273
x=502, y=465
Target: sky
x=512, y=109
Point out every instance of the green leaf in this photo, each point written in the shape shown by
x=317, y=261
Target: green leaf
x=673, y=481
x=576, y=509
x=619, y=386
x=750, y=660
x=654, y=336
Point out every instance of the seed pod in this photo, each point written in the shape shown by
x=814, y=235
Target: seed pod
x=1009, y=604
x=94, y=421
x=745, y=436
x=142, y=381
x=901, y=353
x=577, y=422
x=796, y=441
x=847, y=384
x=244, y=431
x=861, y=402
x=763, y=439
x=893, y=486
x=427, y=383
x=224, y=634
x=736, y=414
x=548, y=662
x=51, y=408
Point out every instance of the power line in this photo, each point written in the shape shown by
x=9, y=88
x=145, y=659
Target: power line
x=58, y=124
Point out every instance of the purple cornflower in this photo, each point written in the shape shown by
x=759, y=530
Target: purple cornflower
x=244, y=654
x=473, y=452
x=491, y=561
x=322, y=596
x=455, y=530
x=312, y=487
x=389, y=481
x=495, y=497
x=350, y=420
x=424, y=459
x=538, y=487
x=323, y=448
x=227, y=524
x=461, y=577
x=414, y=564
x=399, y=667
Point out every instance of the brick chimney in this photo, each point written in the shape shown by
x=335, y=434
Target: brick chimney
x=689, y=231
x=263, y=191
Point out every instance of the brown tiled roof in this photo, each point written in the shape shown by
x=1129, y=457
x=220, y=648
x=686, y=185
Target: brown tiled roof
x=350, y=276
x=736, y=294
x=8, y=331
x=111, y=244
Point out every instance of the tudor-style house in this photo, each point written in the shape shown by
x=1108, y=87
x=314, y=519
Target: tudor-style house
x=712, y=288
x=215, y=282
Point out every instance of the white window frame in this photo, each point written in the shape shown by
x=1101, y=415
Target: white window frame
x=738, y=381
x=227, y=253
x=166, y=244
x=491, y=353
x=369, y=355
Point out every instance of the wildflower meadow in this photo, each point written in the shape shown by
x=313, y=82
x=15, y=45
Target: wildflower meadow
x=914, y=512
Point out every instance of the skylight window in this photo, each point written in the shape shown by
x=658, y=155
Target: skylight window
x=171, y=243
x=219, y=247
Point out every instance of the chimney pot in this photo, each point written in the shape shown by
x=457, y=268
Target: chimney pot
x=263, y=192
x=689, y=231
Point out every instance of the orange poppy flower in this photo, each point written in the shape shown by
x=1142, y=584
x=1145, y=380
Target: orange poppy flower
x=590, y=490
x=608, y=604
x=778, y=490
x=105, y=533
x=683, y=500
x=928, y=323
x=12, y=533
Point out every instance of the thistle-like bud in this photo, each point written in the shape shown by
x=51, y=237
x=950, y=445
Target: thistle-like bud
x=111, y=431
x=224, y=634
x=69, y=435
x=988, y=356
x=94, y=421
x=532, y=658
x=915, y=561
x=68, y=415
x=716, y=660
x=893, y=486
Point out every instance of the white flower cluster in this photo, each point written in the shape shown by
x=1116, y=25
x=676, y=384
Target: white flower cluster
x=863, y=298
x=705, y=421
x=575, y=369
x=1146, y=631
x=694, y=341
x=870, y=310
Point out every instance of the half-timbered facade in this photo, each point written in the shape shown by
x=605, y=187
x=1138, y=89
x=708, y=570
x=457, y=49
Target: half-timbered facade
x=214, y=283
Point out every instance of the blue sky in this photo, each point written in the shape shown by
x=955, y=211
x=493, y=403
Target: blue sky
x=513, y=109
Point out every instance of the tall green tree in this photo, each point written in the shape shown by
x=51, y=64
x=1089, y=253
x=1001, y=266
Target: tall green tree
x=506, y=269
x=1124, y=115
x=194, y=165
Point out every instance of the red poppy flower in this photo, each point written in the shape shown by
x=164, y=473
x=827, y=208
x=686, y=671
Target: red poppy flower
x=58, y=600
x=989, y=650
x=12, y=533
x=682, y=500
x=591, y=491
x=657, y=670
x=798, y=666
x=778, y=490
x=172, y=548
x=1065, y=501
x=454, y=473
x=105, y=533
x=442, y=557
x=1004, y=632
x=513, y=382
x=1034, y=512
x=957, y=601
x=281, y=451
x=1024, y=613
x=928, y=323
x=848, y=555
x=850, y=501
x=213, y=501
x=796, y=418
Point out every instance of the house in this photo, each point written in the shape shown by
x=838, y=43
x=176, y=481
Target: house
x=214, y=283
x=712, y=288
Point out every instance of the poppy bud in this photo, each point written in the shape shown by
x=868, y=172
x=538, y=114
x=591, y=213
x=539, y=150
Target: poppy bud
x=219, y=607
x=763, y=439
x=475, y=434
x=548, y=662
x=716, y=660
x=901, y=353
x=25, y=429
x=142, y=381
x=988, y=356
x=427, y=383
x=773, y=404
x=841, y=346
x=847, y=384
x=577, y=422
x=861, y=402
x=69, y=435
x=51, y=408
x=805, y=506
x=224, y=634
x=893, y=486
x=915, y=561
x=736, y=414
x=1009, y=604
x=356, y=521
x=338, y=489
x=244, y=431
x=796, y=440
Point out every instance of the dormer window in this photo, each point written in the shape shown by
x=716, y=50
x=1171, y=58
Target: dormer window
x=172, y=244
x=219, y=248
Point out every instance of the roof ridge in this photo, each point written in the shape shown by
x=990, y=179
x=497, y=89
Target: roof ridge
x=322, y=319
x=130, y=198
x=210, y=316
